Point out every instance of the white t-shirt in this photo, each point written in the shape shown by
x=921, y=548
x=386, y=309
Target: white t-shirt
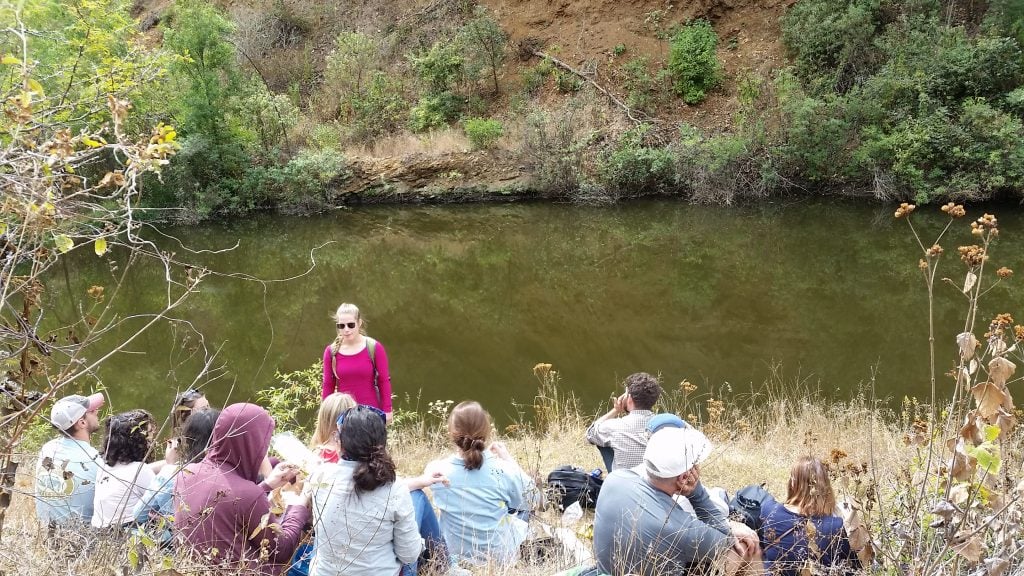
x=118, y=489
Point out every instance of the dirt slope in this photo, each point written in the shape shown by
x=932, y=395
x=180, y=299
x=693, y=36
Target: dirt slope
x=585, y=32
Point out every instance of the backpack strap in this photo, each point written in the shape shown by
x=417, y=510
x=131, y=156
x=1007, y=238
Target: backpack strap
x=371, y=349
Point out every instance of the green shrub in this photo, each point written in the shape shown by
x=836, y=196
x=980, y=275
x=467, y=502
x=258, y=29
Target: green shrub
x=435, y=111
x=440, y=67
x=635, y=168
x=692, y=64
x=832, y=41
x=566, y=82
x=306, y=182
x=641, y=87
x=619, y=50
x=483, y=132
x=380, y=109
x=535, y=76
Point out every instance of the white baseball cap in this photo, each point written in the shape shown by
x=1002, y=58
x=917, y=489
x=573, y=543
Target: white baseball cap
x=70, y=409
x=673, y=451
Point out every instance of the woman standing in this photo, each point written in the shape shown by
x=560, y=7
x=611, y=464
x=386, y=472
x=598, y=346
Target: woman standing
x=485, y=504
x=804, y=530
x=356, y=364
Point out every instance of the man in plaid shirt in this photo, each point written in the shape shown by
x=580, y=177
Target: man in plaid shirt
x=621, y=434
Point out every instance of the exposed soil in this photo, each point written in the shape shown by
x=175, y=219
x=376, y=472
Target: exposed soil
x=582, y=33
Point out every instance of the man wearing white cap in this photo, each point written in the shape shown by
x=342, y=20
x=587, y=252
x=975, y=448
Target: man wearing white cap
x=66, y=470
x=640, y=529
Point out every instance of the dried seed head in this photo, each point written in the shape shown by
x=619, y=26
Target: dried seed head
x=904, y=210
x=972, y=255
x=954, y=210
x=1004, y=272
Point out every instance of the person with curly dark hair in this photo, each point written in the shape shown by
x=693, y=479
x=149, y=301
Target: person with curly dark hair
x=621, y=434
x=123, y=474
x=364, y=516
x=157, y=503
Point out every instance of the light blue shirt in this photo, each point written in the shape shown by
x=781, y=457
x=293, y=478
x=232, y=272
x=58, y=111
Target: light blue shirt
x=65, y=480
x=474, y=508
x=159, y=500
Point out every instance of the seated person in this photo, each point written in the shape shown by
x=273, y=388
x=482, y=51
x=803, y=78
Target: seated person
x=221, y=509
x=804, y=528
x=325, y=438
x=66, y=469
x=621, y=434
x=123, y=475
x=484, y=506
x=366, y=520
x=157, y=504
x=639, y=528
x=184, y=404
x=719, y=496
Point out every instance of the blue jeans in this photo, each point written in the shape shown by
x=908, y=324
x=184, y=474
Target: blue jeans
x=608, y=455
x=435, y=550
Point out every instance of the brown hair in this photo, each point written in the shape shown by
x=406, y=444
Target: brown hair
x=470, y=428
x=643, y=389
x=810, y=490
x=327, y=418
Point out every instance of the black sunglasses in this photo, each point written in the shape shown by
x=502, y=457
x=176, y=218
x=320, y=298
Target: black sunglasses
x=349, y=325
x=190, y=395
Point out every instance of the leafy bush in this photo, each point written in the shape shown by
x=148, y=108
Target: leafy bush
x=535, y=76
x=641, y=87
x=485, y=44
x=832, y=41
x=635, y=168
x=566, y=82
x=555, y=145
x=692, y=64
x=435, y=111
x=440, y=67
x=380, y=109
x=483, y=132
x=305, y=183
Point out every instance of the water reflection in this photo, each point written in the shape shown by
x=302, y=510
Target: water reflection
x=468, y=298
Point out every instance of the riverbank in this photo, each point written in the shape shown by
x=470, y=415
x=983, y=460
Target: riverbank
x=753, y=444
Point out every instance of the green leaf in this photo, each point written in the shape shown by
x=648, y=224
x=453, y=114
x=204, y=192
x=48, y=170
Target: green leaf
x=991, y=432
x=987, y=456
x=101, y=249
x=92, y=143
x=3, y=228
x=9, y=59
x=35, y=86
x=64, y=243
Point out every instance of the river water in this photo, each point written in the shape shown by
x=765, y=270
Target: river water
x=467, y=299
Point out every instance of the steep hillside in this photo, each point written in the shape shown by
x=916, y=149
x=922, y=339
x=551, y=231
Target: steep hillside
x=288, y=40
x=586, y=32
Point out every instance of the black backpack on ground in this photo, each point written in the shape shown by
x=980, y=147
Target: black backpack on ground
x=568, y=484
x=746, y=505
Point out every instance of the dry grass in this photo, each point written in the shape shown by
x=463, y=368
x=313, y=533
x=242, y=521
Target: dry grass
x=406, y=144
x=753, y=444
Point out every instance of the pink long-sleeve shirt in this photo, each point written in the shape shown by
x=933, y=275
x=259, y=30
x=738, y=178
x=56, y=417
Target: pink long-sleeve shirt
x=355, y=376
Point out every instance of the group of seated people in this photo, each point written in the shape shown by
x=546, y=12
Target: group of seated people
x=218, y=494
x=654, y=515
x=344, y=510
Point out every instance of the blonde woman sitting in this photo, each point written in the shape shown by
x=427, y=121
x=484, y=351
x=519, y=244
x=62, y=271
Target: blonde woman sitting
x=325, y=439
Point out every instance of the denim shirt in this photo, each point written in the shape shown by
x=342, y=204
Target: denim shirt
x=477, y=508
